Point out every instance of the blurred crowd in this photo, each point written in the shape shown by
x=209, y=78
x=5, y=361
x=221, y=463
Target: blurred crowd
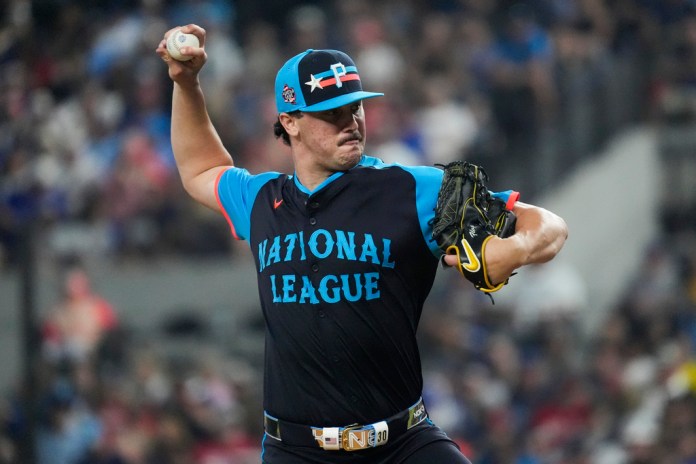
x=528, y=89
x=534, y=387
x=525, y=89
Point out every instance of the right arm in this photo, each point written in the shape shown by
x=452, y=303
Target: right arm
x=199, y=153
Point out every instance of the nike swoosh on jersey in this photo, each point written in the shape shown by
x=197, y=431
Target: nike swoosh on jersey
x=277, y=203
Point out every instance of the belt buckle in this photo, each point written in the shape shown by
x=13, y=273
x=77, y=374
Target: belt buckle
x=350, y=441
x=352, y=437
x=359, y=437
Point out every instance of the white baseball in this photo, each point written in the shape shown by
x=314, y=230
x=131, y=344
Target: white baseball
x=178, y=40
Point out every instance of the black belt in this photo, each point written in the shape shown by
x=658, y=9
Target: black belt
x=350, y=438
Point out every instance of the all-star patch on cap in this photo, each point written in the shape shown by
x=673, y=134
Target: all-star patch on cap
x=318, y=80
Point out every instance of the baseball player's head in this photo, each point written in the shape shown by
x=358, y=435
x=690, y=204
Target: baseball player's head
x=315, y=81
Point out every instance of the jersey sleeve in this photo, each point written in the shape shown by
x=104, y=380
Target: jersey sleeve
x=510, y=197
x=428, y=180
x=236, y=190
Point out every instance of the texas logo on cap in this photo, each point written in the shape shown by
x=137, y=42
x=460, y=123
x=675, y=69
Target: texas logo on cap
x=318, y=80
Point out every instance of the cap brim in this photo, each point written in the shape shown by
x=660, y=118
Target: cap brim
x=341, y=100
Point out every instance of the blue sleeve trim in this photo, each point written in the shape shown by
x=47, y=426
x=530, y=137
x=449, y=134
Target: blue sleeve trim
x=365, y=161
x=326, y=182
x=237, y=189
x=510, y=197
x=428, y=181
x=371, y=161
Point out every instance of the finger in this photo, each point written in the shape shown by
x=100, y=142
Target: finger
x=161, y=50
x=161, y=47
x=195, y=30
x=194, y=52
x=170, y=32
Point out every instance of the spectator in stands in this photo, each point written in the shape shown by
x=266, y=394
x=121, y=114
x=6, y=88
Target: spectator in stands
x=522, y=89
x=75, y=327
x=73, y=85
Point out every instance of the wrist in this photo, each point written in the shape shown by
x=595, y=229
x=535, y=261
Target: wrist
x=188, y=85
x=504, y=256
x=517, y=252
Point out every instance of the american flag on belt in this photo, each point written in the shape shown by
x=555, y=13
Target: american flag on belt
x=331, y=440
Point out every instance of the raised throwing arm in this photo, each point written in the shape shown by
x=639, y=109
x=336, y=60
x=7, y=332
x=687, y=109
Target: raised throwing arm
x=198, y=150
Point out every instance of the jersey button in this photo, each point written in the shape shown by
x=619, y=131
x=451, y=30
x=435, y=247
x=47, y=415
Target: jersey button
x=335, y=358
x=314, y=205
x=312, y=221
x=322, y=314
x=315, y=267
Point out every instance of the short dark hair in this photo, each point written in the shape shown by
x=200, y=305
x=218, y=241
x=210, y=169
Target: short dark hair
x=280, y=132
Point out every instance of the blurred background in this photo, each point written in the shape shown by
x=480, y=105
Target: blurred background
x=129, y=323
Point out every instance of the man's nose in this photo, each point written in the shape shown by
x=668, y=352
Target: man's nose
x=349, y=121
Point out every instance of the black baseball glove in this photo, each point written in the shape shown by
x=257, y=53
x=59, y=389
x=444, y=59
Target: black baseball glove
x=499, y=212
x=467, y=215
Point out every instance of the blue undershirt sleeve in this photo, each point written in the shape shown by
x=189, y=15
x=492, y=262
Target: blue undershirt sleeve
x=236, y=191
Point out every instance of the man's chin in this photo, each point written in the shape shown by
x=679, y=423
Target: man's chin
x=351, y=158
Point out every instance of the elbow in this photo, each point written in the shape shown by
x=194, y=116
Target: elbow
x=193, y=189
x=189, y=186
x=203, y=187
x=195, y=192
x=564, y=230
x=557, y=238
x=562, y=233
x=552, y=236
x=545, y=234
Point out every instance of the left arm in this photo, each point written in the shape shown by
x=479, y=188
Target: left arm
x=539, y=236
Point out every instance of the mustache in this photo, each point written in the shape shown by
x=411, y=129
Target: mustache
x=354, y=136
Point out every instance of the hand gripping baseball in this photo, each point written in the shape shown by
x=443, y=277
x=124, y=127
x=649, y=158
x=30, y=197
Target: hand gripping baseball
x=179, y=42
x=183, y=49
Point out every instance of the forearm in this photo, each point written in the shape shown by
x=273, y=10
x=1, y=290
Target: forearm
x=539, y=237
x=199, y=153
x=540, y=233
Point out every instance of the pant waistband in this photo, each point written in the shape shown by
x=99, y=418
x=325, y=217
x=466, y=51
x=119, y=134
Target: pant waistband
x=349, y=437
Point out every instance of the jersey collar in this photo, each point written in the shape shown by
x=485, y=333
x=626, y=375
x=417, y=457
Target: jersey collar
x=328, y=180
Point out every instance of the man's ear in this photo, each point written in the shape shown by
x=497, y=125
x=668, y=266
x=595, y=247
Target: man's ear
x=289, y=123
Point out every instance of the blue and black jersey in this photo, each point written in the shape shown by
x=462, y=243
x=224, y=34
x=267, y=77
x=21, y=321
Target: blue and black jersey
x=343, y=272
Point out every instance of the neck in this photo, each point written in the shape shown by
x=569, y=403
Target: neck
x=312, y=170
x=309, y=172
x=312, y=178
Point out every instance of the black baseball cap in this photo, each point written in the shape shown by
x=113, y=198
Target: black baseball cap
x=318, y=80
